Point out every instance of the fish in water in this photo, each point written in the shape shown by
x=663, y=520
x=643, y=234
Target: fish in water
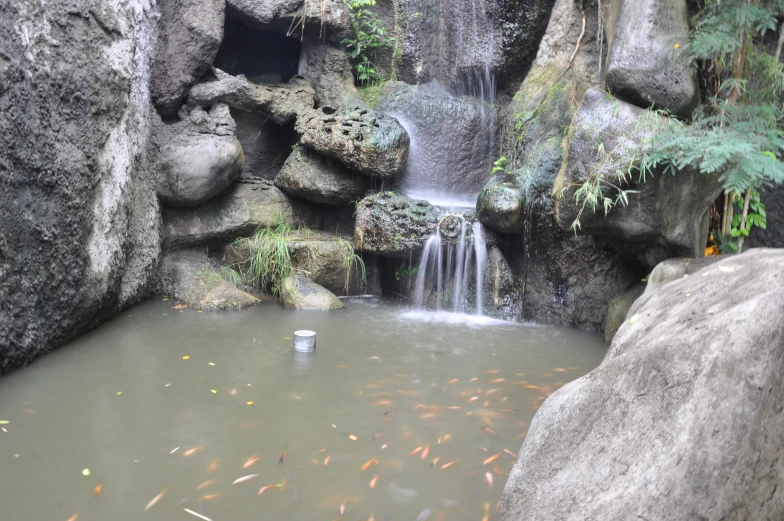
x=156, y=499
x=264, y=489
x=374, y=481
x=98, y=489
x=205, y=484
x=74, y=517
x=213, y=466
x=447, y=465
x=191, y=512
x=402, y=495
x=194, y=450
x=510, y=453
x=326, y=460
x=342, y=508
x=253, y=459
x=282, y=455
x=491, y=459
x=489, y=478
x=425, y=514
x=425, y=452
x=244, y=479
x=415, y=451
x=367, y=464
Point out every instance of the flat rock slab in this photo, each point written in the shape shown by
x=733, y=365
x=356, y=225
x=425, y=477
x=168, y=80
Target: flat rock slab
x=683, y=418
x=300, y=293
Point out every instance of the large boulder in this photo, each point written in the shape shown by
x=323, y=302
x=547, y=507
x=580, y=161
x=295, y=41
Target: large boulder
x=190, y=277
x=239, y=211
x=449, y=139
x=618, y=308
x=500, y=292
x=363, y=139
x=300, y=293
x=675, y=269
x=190, y=34
x=310, y=176
x=79, y=219
x=330, y=74
x=197, y=158
x=646, y=64
x=667, y=217
x=681, y=420
x=392, y=224
x=323, y=20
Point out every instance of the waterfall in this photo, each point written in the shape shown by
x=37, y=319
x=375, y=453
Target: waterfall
x=445, y=268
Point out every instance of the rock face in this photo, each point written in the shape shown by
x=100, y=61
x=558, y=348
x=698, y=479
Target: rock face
x=391, y=224
x=190, y=34
x=618, y=308
x=324, y=259
x=265, y=144
x=189, y=276
x=644, y=65
x=449, y=139
x=668, y=217
x=198, y=157
x=675, y=269
x=326, y=19
x=237, y=212
x=330, y=73
x=79, y=220
x=681, y=419
x=301, y=293
x=319, y=179
x=501, y=295
x=362, y=139
x=773, y=235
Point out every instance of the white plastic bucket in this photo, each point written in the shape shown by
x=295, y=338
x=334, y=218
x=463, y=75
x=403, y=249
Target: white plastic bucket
x=304, y=341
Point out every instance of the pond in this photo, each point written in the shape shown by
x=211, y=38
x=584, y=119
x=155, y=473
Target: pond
x=397, y=415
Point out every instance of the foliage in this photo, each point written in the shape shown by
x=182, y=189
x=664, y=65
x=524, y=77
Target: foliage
x=267, y=261
x=370, y=93
x=369, y=36
x=499, y=165
x=351, y=262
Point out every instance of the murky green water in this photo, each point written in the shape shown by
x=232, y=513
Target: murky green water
x=124, y=403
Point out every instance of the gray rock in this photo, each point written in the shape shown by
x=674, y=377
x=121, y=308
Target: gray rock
x=197, y=158
x=323, y=20
x=618, y=308
x=330, y=74
x=681, y=420
x=301, y=293
x=238, y=211
x=265, y=144
x=449, y=142
x=501, y=294
x=773, y=235
x=644, y=66
x=79, y=219
x=190, y=277
x=666, y=218
x=190, y=34
x=500, y=204
x=675, y=269
x=319, y=179
x=364, y=140
x=391, y=224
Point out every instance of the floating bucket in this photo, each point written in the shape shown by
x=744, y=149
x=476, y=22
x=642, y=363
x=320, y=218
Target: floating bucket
x=304, y=341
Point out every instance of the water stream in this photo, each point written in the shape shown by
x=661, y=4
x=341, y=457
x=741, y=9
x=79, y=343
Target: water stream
x=185, y=403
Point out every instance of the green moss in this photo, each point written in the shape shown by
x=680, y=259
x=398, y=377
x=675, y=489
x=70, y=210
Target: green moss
x=370, y=94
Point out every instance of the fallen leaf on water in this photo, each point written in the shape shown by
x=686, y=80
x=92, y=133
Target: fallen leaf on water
x=98, y=489
x=157, y=498
x=213, y=391
x=447, y=465
x=244, y=479
x=250, y=403
x=205, y=484
x=374, y=481
x=167, y=385
x=119, y=393
x=86, y=472
x=17, y=456
x=352, y=437
x=191, y=512
x=180, y=306
x=186, y=357
x=286, y=338
x=211, y=363
x=384, y=446
x=334, y=426
x=194, y=450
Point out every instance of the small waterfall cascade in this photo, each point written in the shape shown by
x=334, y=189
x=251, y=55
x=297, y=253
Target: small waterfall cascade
x=445, y=270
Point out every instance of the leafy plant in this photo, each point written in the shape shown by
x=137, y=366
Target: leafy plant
x=499, y=165
x=351, y=262
x=266, y=260
x=404, y=271
x=369, y=36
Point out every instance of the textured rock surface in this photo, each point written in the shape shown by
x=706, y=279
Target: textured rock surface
x=392, y=224
x=325, y=19
x=501, y=294
x=449, y=142
x=79, y=220
x=362, y=139
x=189, y=276
x=190, y=34
x=301, y=293
x=197, y=158
x=675, y=269
x=319, y=179
x=330, y=74
x=668, y=215
x=238, y=211
x=265, y=144
x=681, y=420
x=644, y=66
x=618, y=308
x=773, y=235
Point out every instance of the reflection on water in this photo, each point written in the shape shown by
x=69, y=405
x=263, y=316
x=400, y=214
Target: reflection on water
x=395, y=416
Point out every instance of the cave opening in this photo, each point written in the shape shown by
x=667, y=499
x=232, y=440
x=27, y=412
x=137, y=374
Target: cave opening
x=262, y=56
